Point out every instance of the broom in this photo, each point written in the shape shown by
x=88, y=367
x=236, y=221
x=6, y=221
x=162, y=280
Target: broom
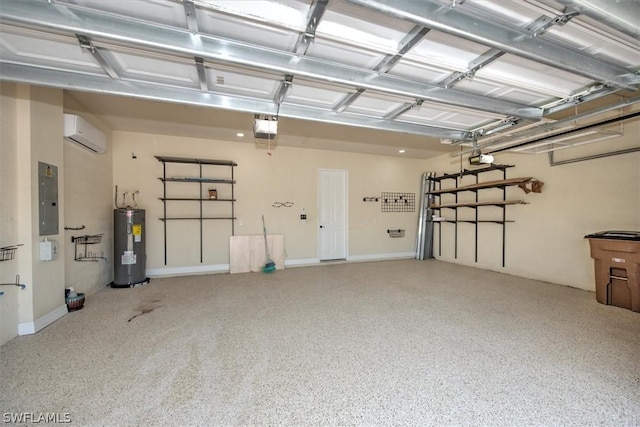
x=269, y=266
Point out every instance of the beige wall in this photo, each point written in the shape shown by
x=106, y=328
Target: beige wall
x=88, y=201
x=546, y=241
x=46, y=146
x=24, y=201
x=8, y=210
x=290, y=175
x=32, y=132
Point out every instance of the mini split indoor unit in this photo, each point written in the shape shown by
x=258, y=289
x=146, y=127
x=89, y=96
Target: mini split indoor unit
x=84, y=134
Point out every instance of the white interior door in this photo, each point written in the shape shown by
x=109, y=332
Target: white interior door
x=332, y=218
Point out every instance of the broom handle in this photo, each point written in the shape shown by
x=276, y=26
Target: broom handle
x=266, y=247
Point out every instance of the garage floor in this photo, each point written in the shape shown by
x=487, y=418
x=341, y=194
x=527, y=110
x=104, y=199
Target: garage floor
x=387, y=343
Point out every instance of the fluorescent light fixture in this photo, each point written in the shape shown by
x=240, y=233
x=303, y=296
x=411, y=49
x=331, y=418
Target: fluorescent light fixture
x=240, y=134
x=402, y=151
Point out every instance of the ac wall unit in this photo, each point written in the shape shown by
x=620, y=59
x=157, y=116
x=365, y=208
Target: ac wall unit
x=83, y=133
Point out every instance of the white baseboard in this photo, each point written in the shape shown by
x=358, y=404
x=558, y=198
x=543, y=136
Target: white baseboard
x=301, y=262
x=186, y=271
x=28, y=328
x=381, y=257
x=352, y=258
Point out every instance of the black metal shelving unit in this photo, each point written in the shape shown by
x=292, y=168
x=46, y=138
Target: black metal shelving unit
x=473, y=205
x=200, y=180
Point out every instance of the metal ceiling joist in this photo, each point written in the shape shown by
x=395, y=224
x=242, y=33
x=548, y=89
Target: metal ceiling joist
x=98, y=84
x=202, y=74
x=411, y=39
x=533, y=132
x=524, y=145
x=66, y=19
x=536, y=28
x=505, y=124
x=544, y=23
x=408, y=42
x=106, y=65
x=403, y=109
x=484, y=59
x=190, y=14
x=511, y=39
x=313, y=19
x=623, y=16
x=302, y=45
x=587, y=95
x=284, y=87
x=347, y=100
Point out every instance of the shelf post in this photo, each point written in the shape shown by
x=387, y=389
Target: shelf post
x=476, y=224
x=455, y=225
x=439, y=222
x=233, y=198
x=504, y=218
x=164, y=208
x=200, y=166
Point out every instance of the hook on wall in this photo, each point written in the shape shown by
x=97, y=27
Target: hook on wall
x=82, y=227
x=17, y=283
x=282, y=204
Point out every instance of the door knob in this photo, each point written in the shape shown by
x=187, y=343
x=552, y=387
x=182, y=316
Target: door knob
x=322, y=226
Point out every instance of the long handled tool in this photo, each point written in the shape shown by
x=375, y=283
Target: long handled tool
x=269, y=266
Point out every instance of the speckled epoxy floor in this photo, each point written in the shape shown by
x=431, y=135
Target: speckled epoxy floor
x=386, y=343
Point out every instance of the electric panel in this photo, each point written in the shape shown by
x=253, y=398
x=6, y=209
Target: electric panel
x=48, y=198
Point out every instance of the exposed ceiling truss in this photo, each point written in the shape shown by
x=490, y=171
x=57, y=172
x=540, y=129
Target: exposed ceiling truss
x=521, y=42
x=450, y=69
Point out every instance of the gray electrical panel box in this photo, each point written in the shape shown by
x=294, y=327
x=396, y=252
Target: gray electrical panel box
x=48, y=198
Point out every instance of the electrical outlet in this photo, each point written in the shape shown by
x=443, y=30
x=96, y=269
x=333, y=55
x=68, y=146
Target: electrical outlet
x=303, y=217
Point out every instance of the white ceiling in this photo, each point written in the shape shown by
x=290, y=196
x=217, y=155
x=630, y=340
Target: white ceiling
x=354, y=75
